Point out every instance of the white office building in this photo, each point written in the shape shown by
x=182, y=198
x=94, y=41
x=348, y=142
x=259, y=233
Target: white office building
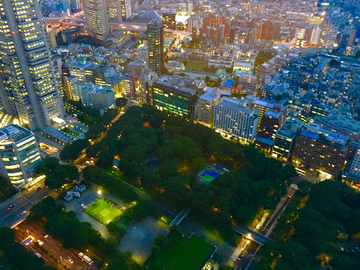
x=232, y=117
x=19, y=154
x=97, y=97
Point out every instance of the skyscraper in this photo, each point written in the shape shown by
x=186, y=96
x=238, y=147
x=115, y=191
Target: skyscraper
x=155, y=31
x=125, y=9
x=118, y=10
x=28, y=85
x=97, y=18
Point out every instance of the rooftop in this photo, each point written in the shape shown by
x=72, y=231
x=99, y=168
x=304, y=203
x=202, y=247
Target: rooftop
x=13, y=133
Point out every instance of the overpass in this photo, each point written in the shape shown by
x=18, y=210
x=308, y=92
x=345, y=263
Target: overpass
x=252, y=235
x=180, y=217
x=126, y=26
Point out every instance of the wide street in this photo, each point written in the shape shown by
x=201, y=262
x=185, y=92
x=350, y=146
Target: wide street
x=20, y=203
x=60, y=256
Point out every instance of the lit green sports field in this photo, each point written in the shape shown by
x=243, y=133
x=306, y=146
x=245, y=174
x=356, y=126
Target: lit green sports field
x=103, y=211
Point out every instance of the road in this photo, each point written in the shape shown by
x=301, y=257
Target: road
x=251, y=257
x=60, y=256
x=21, y=203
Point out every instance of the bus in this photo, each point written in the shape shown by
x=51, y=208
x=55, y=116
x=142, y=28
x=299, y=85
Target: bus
x=27, y=241
x=85, y=258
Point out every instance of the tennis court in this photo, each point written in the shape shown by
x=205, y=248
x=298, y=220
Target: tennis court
x=209, y=176
x=103, y=212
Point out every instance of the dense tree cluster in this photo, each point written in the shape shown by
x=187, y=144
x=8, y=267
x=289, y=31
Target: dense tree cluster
x=93, y=120
x=6, y=189
x=164, y=154
x=328, y=218
x=72, y=233
x=110, y=183
x=71, y=151
x=15, y=256
x=63, y=225
x=57, y=174
x=263, y=57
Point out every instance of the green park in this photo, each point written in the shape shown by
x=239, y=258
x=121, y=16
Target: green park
x=103, y=211
x=182, y=253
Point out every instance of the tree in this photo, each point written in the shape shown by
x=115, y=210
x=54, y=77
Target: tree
x=155, y=250
x=93, y=150
x=105, y=160
x=334, y=62
x=194, y=43
x=6, y=189
x=94, y=131
x=121, y=102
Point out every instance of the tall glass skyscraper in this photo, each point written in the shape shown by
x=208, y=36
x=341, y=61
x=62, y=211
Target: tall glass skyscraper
x=155, y=31
x=28, y=84
x=97, y=18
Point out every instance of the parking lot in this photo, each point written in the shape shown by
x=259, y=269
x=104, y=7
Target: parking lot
x=140, y=237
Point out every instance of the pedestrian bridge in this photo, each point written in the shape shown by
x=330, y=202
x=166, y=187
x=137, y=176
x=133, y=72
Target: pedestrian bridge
x=180, y=217
x=252, y=235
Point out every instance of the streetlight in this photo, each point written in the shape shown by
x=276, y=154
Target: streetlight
x=99, y=192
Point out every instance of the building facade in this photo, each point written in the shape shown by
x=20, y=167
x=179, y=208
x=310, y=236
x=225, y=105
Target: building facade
x=179, y=101
x=28, y=83
x=97, y=18
x=233, y=118
x=19, y=154
x=205, y=106
x=321, y=149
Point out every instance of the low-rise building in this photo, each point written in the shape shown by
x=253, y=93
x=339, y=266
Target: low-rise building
x=221, y=62
x=98, y=97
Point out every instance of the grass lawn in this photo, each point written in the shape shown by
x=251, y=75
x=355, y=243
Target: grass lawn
x=182, y=253
x=195, y=65
x=103, y=212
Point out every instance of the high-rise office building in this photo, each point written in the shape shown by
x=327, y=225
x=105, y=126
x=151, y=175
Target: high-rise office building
x=114, y=10
x=214, y=22
x=97, y=18
x=125, y=9
x=335, y=21
x=168, y=17
x=155, y=31
x=19, y=154
x=28, y=84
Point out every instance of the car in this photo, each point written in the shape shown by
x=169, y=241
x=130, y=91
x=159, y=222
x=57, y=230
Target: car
x=70, y=261
x=46, y=236
x=38, y=254
x=23, y=213
x=10, y=206
x=239, y=258
x=40, y=242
